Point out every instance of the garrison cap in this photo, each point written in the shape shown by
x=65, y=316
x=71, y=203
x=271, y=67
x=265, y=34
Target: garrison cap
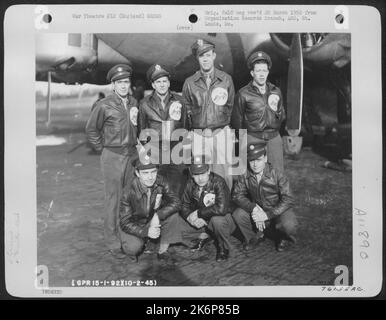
x=258, y=56
x=119, y=71
x=256, y=150
x=201, y=46
x=143, y=164
x=155, y=72
x=199, y=165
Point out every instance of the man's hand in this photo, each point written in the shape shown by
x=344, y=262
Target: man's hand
x=195, y=221
x=262, y=216
x=200, y=223
x=155, y=220
x=192, y=218
x=260, y=226
x=155, y=227
x=154, y=232
x=255, y=212
x=258, y=214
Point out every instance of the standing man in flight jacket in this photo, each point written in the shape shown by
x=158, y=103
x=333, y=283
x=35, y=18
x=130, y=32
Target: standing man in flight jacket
x=112, y=130
x=209, y=96
x=259, y=109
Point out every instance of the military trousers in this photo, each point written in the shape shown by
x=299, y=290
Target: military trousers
x=170, y=234
x=218, y=145
x=219, y=227
x=116, y=170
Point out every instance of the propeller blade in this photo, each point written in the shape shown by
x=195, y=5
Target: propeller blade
x=48, y=102
x=295, y=87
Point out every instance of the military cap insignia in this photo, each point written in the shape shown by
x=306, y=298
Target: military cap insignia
x=259, y=54
x=157, y=67
x=273, y=101
x=119, y=69
x=198, y=160
x=251, y=147
x=200, y=42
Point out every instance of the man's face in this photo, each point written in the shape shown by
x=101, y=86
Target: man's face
x=147, y=177
x=122, y=87
x=206, y=60
x=161, y=85
x=201, y=179
x=260, y=73
x=258, y=165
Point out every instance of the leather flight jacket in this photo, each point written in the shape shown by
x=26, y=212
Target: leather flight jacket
x=261, y=114
x=272, y=194
x=209, y=108
x=152, y=114
x=113, y=126
x=213, y=201
x=136, y=211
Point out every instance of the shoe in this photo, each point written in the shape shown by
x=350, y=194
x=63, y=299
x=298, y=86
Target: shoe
x=131, y=258
x=282, y=245
x=222, y=255
x=165, y=256
x=149, y=248
x=253, y=243
x=118, y=253
x=200, y=243
x=292, y=239
x=148, y=251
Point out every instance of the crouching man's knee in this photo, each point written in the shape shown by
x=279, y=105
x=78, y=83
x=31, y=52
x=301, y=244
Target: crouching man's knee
x=222, y=223
x=131, y=245
x=240, y=215
x=216, y=222
x=287, y=222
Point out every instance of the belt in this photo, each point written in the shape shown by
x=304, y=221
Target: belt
x=209, y=132
x=265, y=135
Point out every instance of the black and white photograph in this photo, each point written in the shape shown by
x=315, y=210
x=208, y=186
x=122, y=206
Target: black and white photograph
x=285, y=220
x=193, y=151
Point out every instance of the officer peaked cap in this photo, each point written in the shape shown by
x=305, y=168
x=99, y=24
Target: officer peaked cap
x=201, y=46
x=199, y=164
x=155, y=72
x=255, y=151
x=143, y=163
x=259, y=56
x=119, y=71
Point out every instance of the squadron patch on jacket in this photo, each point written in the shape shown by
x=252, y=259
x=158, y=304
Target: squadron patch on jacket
x=219, y=96
x=158, y=200
x=175, y=111
x=273, y=101
x=134, y=115
x=209, y=199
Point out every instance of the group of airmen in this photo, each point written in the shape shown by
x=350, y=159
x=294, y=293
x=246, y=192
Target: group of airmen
x=146, y=209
